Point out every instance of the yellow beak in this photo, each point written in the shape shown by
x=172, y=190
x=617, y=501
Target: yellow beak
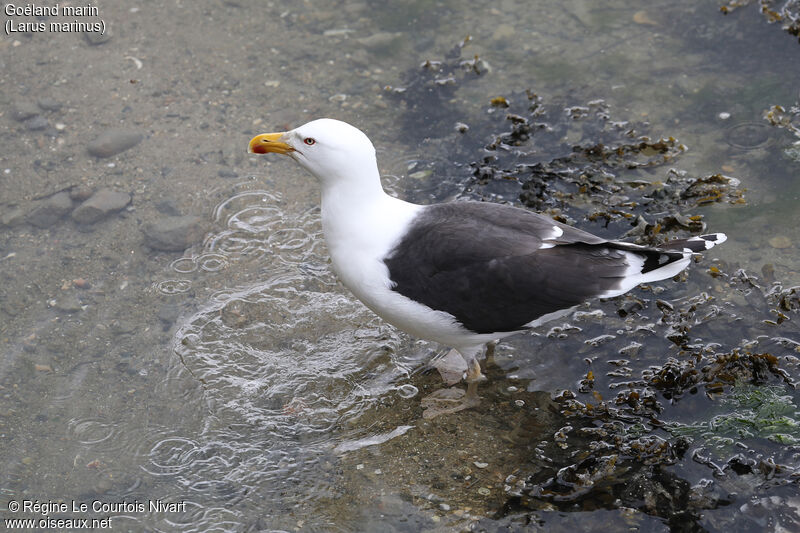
x=269, y=142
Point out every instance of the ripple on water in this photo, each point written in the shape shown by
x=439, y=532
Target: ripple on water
x=258, y=228
x=290, y=372
x=208, y=262
x=106, y=438
x=92, y=431
x=287, y=366
x=171, y=455
x=211, y=262
x=749, y=135
x=184, y=265
x=173, y=286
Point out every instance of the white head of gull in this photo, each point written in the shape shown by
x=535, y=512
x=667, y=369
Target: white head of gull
x=462, y=274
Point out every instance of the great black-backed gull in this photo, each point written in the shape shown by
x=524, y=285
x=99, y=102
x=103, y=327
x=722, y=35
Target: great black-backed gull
x=462, y=274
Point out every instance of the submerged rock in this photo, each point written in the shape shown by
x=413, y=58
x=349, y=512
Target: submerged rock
x=81, y=193
x=50, y=210
x=67, y=303
x=95, y=38
x=380, y=41
x=49, y=104
x=24, y=111
x=11, y=216
x=114, y=141
x=99, y=205
x=36, y=123
x=172, y=234
x=780, y=241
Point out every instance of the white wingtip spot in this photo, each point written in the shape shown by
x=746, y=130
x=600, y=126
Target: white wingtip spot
x=710, y=240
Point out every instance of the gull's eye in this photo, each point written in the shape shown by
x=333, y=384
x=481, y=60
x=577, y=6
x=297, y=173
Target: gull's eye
x=309, y=141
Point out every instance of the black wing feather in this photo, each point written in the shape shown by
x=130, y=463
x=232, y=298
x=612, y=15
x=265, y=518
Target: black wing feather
x=483, y=263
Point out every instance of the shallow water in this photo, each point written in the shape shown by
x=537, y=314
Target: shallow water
x=239, y=377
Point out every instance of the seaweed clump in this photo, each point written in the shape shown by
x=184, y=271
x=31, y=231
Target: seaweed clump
x=572, y=161
x=633, y=449
x=788, y=119
x=576, y=164
x=787, y=14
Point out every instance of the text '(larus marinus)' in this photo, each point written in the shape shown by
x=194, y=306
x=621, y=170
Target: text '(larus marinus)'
x=462, y=274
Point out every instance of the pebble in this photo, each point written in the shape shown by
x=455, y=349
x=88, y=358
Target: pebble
x=114, y=141
x=23, y=111
x=503, y=31
x=95, y=38
x=336, y=32
x=641, y=17
x=122, y=327
x=12, y=217
x=99, y=205
x=172, y=234
x=49, y=104
x=68, y=303
x=50, y=211
x=379, y=41
x=780, y=241
x=80, y=193
x=227, y=173
x=36, y=123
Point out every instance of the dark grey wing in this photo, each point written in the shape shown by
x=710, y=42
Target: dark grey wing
x=485, y=265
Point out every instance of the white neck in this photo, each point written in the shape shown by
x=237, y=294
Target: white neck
x=353, y=209
x=354, y=193
x=361, y=224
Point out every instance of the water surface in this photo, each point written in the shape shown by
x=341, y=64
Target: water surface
x=240, y=377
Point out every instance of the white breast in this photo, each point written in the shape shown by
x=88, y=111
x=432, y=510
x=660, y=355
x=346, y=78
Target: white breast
x=358, y=241
x=359, y=237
